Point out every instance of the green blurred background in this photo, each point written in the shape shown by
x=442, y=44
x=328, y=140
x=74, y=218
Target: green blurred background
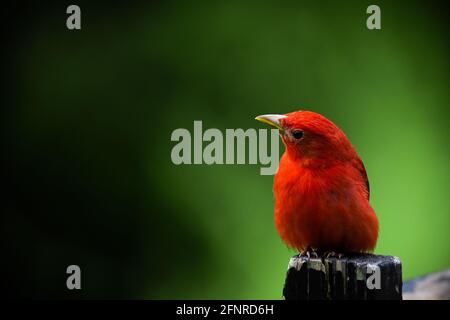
x=88, y=117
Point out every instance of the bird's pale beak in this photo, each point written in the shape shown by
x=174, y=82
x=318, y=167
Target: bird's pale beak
x=273, y=120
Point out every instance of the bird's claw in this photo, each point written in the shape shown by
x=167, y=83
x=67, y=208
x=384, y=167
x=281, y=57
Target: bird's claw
x=332, y=254
x=308, y=253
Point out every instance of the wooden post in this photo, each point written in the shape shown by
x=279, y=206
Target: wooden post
x=359, y=276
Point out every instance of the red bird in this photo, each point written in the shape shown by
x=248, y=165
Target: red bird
x=321, y=187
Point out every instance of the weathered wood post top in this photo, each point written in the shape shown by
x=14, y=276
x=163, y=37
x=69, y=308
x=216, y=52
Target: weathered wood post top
x=358, y=276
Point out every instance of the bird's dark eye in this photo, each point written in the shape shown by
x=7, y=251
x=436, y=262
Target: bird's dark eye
x=297, y=134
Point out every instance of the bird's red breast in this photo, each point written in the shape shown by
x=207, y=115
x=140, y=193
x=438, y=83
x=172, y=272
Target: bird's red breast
x=321, y=188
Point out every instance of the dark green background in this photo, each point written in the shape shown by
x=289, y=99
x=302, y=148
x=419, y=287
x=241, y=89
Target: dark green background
x=88, y=118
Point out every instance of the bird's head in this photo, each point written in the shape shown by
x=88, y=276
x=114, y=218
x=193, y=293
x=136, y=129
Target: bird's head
x=310, y=138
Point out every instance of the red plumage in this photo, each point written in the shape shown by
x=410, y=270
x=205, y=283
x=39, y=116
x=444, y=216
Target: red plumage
x=321, y=188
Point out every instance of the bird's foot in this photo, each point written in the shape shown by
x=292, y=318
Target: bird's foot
x=332, y=254
x=309, y=252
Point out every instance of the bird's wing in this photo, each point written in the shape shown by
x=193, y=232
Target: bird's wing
x=359, y=165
